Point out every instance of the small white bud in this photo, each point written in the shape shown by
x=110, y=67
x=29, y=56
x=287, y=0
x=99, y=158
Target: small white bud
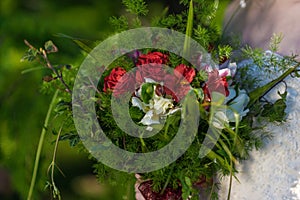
x=243, y=3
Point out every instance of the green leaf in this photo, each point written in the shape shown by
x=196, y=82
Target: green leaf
x=188, y=181
x=73, y=138
x=85, y=45
x=50, y=47
x=30, y=55
x=31, y=69
x=147, y=92
x=186, y=186
x=199, y=93
x=256, y=94
x=189, y=30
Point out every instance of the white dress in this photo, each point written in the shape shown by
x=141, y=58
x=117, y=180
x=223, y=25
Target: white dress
x=273, y=172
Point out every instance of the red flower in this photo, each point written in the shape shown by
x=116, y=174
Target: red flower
x=125, y=84
x=152, y=57
x=215, y=83
x=112, y=79
x=187, y=72
x=177, y=85
x=151, y=66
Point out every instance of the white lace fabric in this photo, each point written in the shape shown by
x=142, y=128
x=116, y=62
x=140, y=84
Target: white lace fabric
x=273, y=172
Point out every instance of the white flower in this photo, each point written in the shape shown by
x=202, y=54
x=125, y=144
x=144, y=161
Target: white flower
x=229, y=109
x=138, y=103
x=237, y=105
x=220, y=119
x=157, y=108
x=150, y=118
x=230, y=70
x=161, y=105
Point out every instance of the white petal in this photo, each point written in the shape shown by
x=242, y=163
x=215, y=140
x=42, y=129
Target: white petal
x=240, y=102
x=150, y=118
x=161, y=105
x=219, y=120
x=173, y=111
x=149, y=80
x=233, y=69
x=138, y=103
x=224, y=72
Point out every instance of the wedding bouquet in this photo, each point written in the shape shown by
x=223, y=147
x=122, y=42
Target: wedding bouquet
x=173, y=114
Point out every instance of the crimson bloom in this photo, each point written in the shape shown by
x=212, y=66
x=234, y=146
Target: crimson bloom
x=177, y=85
x=152, y=58
x=215, y=83
x=187, y=72
x=112, y=79
x=151, y=66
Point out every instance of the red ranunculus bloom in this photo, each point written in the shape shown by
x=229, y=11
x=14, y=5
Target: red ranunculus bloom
x=124, y=85
x=151, y=66
x=112, y=79
x=177, y=85
x=188, y=73
x=153, y=57
x=215, y=83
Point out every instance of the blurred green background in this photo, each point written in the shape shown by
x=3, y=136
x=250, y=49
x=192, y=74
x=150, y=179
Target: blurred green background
x=23, y=108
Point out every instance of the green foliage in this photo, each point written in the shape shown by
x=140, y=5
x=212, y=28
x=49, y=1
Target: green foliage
x=73, y=138
x=119, y=23
x=204, y=28
x=186, y=187
x=275, y=41
x=138, y=7
x=271, y=61
x=202, y=36
x=30, y=55
x=255, y=54
x=225, y=52
x=275, y=111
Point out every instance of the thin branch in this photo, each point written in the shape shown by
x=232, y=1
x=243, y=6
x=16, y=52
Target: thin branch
x=48, y=64
x=29, y=45
x=40, y=146
x=52, y=165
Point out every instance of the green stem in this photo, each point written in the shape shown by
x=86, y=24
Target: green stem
x=144, y=147
x=230, y=181
x=168, y=180
x=256, y=94
x=40, y=146
x=56, y=192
